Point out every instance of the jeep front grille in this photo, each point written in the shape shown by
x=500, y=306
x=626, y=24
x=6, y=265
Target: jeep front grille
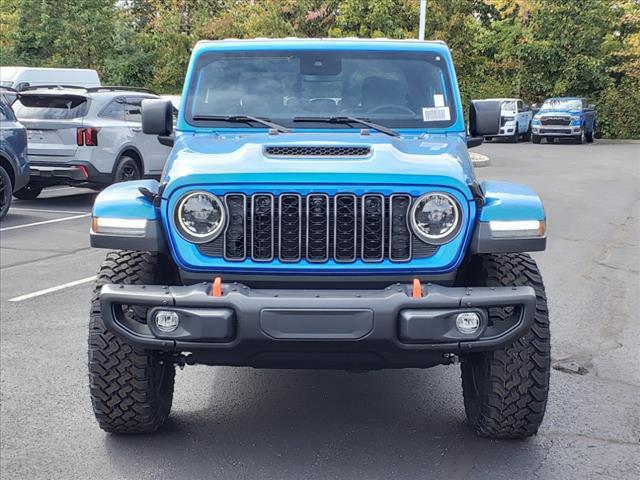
x=316, y=228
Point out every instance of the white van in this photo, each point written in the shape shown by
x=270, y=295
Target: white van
x=20, y=78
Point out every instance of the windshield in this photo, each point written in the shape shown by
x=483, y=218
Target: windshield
x=62, y=107
x=395, y=89
x=560, y=104
x=509, y=106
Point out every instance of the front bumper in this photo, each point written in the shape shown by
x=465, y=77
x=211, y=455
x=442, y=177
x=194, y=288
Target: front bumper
x=318, y=329
x=80, y=174
x=556, y=131
x=507, y=130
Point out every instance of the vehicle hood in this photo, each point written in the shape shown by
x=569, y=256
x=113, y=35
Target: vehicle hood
x=558, y=113
x=200, y=159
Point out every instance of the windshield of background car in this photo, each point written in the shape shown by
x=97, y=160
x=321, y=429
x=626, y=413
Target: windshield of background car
x=55, y=107
x=509, y=106
x=395, y=89
x=561, y=105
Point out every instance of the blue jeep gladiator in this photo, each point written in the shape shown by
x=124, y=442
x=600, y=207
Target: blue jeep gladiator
x=319, y=210
x=566, y=117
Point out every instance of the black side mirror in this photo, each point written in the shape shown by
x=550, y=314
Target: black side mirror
x=157, y=119
x=484, y=120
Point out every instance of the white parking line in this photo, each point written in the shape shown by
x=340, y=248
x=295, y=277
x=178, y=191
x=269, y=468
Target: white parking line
x=52, y=289
x=45, y=211
x=57, y=189
x=64, y=219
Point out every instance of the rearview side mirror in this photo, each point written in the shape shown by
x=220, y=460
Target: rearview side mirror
x=484, y=120
x=157, y=119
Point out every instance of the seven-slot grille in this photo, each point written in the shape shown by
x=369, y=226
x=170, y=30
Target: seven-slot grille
x=317, y=228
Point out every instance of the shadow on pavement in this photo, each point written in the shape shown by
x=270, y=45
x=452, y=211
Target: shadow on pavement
x=306, y=424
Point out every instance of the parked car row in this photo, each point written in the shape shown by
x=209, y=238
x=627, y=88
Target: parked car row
x=562, y=117
x=74, y=135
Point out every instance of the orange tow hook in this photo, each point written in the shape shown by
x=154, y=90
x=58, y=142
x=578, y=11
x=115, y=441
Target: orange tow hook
x=216, y=288
x=417, y=288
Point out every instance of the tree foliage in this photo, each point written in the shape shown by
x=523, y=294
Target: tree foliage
x=528, y=48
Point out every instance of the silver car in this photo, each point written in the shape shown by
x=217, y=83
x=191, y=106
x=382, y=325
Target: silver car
x=86, y=137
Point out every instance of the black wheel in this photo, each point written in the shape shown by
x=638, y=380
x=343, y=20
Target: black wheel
x=535, y=138
x=28, y=192
x=514, y=137
x=527, y=135
x=126, y=169
x=590, y=134
x=582, y=138
x=131, y=390
x=505, y=391
x=5, y=192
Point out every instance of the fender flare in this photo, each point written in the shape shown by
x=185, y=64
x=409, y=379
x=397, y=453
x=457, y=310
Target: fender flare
x=124, y=202
x=508, y=202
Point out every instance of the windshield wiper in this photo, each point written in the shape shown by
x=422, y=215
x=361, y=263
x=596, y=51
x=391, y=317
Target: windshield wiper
x=241, y=119
x=348, y=119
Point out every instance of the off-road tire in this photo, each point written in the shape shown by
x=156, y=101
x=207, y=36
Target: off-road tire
x=505, y=391
x=582, y=138
x=28, y=192
x=527, y=135
x=131, y=389
x=536, y=138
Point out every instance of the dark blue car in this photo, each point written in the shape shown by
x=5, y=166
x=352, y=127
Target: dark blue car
x=14, y=166
x=565, y=117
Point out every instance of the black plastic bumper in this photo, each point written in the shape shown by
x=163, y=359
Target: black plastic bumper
x=325, y=328
x=78, y=174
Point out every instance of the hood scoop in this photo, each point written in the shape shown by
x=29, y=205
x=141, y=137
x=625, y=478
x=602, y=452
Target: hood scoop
x=317, y=151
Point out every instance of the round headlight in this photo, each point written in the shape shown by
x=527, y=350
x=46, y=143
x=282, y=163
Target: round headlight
x=200, y=217
x=435, y=218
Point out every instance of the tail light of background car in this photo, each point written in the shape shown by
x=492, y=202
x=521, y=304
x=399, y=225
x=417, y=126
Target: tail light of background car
x=87, y=137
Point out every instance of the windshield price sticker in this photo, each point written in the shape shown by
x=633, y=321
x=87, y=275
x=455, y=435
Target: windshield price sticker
x=436, y=114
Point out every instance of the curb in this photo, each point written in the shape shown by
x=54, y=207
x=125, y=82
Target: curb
x=479, y=160
x=614, y=141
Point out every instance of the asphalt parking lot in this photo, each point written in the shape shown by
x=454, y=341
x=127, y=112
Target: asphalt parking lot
x=245, y=423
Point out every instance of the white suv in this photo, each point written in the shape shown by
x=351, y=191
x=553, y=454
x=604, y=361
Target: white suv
x=86, y=137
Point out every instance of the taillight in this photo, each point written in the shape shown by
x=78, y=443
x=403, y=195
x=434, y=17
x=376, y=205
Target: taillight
x=87, y=136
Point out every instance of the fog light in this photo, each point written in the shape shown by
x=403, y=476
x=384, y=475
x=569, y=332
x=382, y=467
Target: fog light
x=166, y=320
x=468, y=322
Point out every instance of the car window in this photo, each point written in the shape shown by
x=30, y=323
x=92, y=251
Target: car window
x=114, y=110
x=133, y=109
x=4, y=117
x=520, y=105
x=57, y=107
